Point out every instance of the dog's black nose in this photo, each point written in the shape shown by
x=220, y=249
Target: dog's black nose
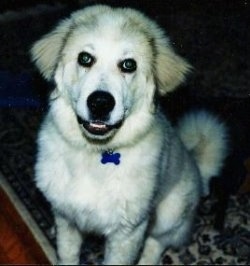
x=100, y=104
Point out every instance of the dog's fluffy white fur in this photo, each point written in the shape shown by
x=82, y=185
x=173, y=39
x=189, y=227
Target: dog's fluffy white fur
x=147, y=202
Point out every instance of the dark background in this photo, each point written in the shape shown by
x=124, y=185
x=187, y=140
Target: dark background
x=212, y=35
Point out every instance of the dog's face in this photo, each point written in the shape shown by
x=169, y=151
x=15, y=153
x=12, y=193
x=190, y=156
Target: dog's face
x=108, y=63
x=102, y=74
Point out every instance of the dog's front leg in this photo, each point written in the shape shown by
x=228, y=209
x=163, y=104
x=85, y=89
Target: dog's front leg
x=69, y=241
x=123, y=246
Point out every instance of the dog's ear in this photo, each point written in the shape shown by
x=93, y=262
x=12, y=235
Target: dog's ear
x=45, y=52
x=170, y=68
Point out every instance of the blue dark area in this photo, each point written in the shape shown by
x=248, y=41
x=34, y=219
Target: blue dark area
x=16, y=90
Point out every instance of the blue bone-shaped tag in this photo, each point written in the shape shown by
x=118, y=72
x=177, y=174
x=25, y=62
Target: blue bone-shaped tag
x=110, y=157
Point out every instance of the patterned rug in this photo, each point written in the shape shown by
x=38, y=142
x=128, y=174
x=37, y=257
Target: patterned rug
x=216, y=46
x=18, y=128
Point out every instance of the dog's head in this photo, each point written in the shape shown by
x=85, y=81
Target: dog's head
x=107, y=64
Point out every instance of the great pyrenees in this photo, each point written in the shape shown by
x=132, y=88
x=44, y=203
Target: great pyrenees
x=108, y=160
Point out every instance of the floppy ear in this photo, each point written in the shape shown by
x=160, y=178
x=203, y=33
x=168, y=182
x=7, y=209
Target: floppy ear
x=170, y=69
x=45, y=52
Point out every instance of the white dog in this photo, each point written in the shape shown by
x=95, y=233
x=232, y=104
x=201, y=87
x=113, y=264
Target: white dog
x=109, y=160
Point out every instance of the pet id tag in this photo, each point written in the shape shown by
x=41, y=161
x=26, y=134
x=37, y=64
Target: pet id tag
x=110, y=157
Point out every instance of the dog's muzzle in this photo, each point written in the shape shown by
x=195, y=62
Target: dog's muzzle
x=100, y=104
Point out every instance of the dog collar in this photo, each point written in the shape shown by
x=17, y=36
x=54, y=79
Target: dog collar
x=110, y=157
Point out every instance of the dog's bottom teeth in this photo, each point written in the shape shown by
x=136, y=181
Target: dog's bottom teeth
x=98, y=125
x=98, y=128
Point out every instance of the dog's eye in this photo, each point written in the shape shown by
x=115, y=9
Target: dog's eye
x=127, y=65
x=85, y=59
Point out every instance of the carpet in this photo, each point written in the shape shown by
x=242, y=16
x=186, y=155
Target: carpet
x=216, y=46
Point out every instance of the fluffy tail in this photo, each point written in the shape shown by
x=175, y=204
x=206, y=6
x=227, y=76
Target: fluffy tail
x=206, y=138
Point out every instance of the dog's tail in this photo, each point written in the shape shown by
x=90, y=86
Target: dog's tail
x=206, y=138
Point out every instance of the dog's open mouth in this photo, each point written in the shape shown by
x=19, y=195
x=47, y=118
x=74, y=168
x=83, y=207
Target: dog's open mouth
x=98, y=127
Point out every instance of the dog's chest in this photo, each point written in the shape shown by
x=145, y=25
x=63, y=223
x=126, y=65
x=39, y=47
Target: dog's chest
x=95, y=204
x=101, y=197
